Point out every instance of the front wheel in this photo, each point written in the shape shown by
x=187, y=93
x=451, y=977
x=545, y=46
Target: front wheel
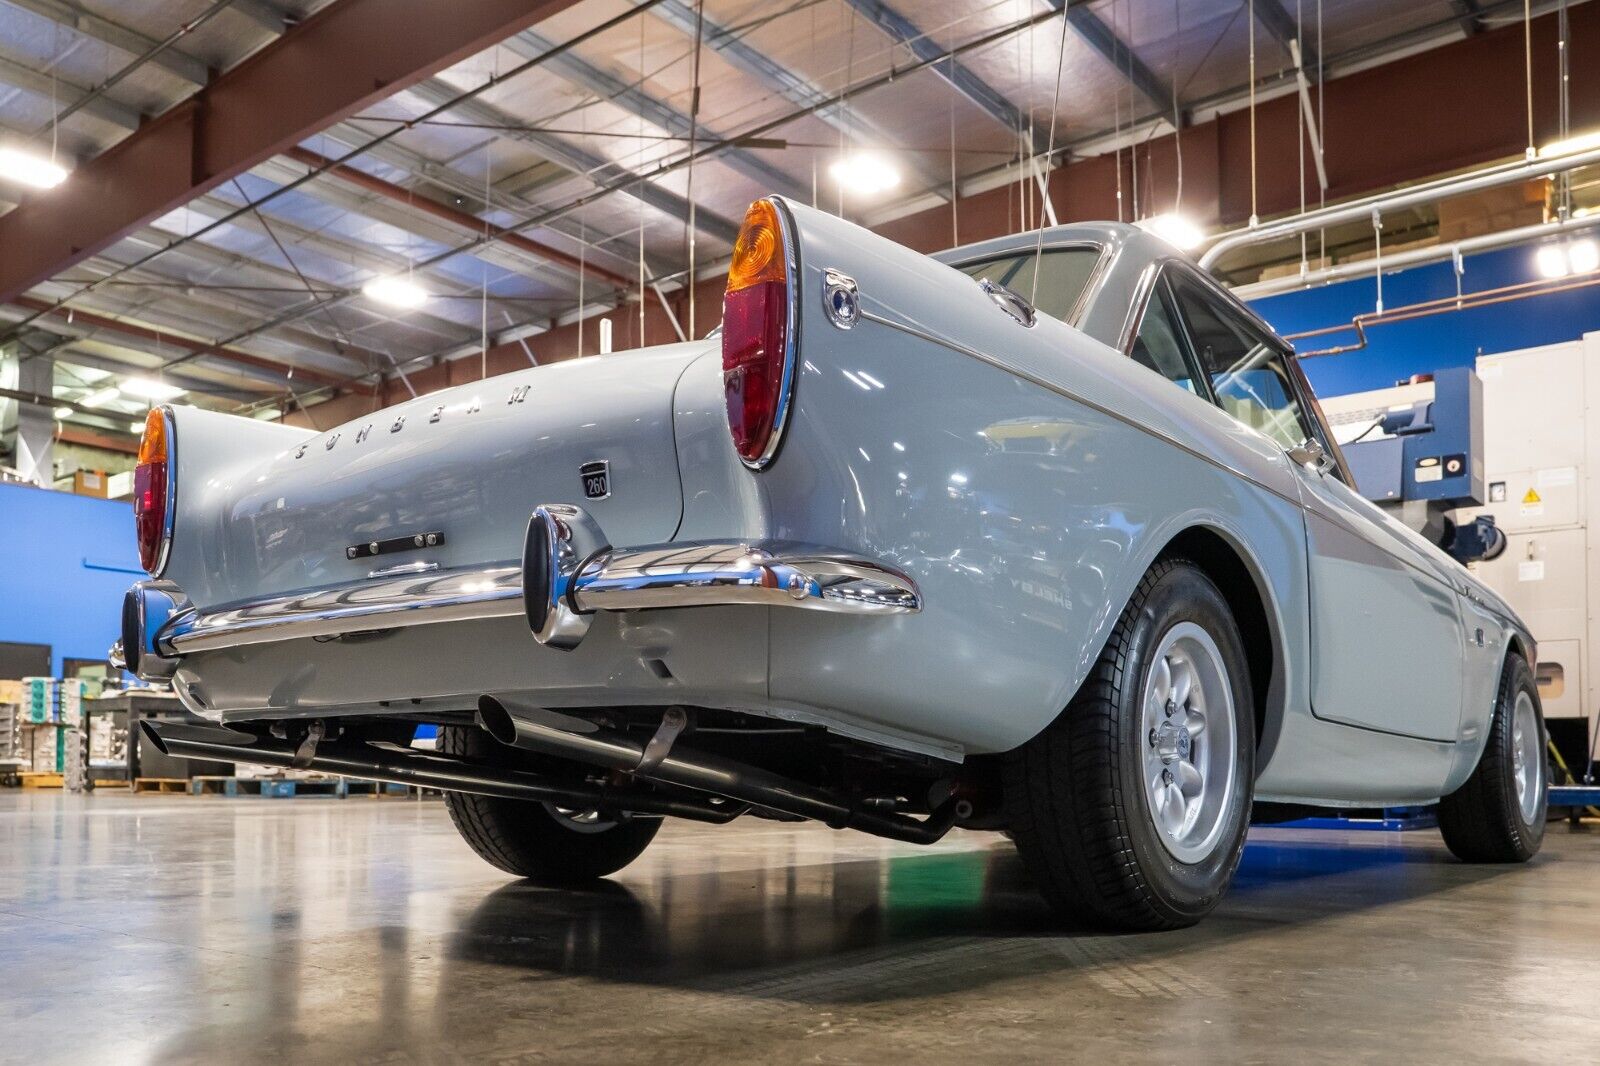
x=544, y=843
x=1131, y=808
x=1499, y=814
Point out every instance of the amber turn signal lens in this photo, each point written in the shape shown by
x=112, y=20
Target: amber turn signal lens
x=151, y=491
x=153, y=445
x=758, y=253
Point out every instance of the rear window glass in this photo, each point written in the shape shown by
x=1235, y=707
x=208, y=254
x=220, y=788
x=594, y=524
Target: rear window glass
x=1063, y=275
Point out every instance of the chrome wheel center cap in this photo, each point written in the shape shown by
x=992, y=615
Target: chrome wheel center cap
x=1172, y=741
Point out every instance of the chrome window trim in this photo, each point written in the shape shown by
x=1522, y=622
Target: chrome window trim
x=1310, y=409
x=1151, y=285
x=791, y=343
x=1091, y=284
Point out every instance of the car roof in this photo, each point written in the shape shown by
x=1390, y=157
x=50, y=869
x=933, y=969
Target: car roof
x=1121, y=282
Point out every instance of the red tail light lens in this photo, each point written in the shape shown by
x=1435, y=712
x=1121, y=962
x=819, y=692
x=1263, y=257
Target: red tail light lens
x=151, y=495
x=756, y=366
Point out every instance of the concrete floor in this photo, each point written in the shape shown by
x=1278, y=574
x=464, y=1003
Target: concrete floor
x=247, y=930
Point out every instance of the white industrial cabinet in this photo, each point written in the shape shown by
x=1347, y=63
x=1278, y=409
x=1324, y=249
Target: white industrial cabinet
x=1541, y=445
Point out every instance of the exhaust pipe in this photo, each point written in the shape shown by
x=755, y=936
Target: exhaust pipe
x=404, y=767
x=539, y=730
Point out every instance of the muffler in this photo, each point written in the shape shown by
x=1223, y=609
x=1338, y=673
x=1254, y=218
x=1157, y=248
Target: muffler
x=354, y=758
x=666, y=762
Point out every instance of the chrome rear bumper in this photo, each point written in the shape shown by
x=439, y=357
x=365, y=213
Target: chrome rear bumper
x=569, y=573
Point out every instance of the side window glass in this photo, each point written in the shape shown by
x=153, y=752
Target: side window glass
x=1157, y=346
x=1246, y=368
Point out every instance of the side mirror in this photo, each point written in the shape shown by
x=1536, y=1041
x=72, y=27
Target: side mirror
x=1311, y=455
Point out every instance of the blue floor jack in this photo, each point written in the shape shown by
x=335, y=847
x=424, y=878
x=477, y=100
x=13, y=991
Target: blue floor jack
x=1573, y=796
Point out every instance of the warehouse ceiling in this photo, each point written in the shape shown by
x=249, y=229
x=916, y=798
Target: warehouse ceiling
x=585, y=149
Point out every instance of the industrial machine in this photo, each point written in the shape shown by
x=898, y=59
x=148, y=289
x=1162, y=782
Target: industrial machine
x=1417, y=451
x=1496, y=467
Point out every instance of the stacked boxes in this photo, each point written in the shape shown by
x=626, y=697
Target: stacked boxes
x=39, y=700
x=46, y=750
x=12, y=757
x=44, y=722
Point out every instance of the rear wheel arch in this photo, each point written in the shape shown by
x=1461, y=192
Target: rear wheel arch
x=1233, y=570
x=1517, y=644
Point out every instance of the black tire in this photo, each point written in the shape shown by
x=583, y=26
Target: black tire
x=1483, y=820
x=530, y=839
x=1075, y=796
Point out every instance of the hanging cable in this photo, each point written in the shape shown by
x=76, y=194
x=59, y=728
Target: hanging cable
x=694, y=121
x=1133, y=146
x=483, y=266
x=955, y=184
x=1527, y=68
x=1322, y=130
x=642, y=341
x=1254, y=215
x=1300, y=137
x=1116, y=133
x=1564, y=209
x=1177, y=112
x=1050, y=147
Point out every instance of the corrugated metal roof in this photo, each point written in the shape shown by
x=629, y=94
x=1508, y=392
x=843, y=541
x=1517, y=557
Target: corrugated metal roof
x=529, y=148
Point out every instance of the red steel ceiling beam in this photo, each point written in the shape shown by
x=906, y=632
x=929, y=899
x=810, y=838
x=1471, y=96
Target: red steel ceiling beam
x=1373, y=142
x=371, y=183
x=339, y=61
x=188, y=344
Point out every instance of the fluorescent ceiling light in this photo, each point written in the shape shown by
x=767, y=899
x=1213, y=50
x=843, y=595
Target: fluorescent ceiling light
x=396, y=292
x=101, y=397
x=1583, y=256
x=25, y=168
x=1551, y=261
x=1571, y=145
x=146, y=389
x=136, y=427
x=865, y=173
x=62, y=413
x=1175, y=230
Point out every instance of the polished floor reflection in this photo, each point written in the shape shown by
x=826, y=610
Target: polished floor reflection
x=172, y=929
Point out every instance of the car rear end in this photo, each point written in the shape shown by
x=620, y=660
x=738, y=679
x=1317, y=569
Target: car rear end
x=862, y=507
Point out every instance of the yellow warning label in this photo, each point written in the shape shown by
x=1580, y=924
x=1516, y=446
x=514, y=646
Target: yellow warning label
x=1531, y=497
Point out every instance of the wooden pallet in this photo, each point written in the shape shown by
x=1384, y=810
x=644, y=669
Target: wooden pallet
x=43, y=780
x=171, y=785
x=275, y=787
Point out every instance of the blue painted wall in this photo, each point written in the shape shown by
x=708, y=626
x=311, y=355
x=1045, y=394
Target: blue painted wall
x=65, y=562
x=1395, y=352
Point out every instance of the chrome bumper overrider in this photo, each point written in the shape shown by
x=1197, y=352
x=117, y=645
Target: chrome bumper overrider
x=569, y=572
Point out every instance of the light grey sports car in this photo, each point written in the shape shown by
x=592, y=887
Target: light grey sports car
x=1044, y=535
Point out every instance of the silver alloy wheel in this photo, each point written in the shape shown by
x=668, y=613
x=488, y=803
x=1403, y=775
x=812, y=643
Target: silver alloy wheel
x=590, y=821
x=1190, y=750
x=1527, y=756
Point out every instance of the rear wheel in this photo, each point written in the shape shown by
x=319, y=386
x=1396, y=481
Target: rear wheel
x=544, y=843
x=1131, y=808
x=1499, y=814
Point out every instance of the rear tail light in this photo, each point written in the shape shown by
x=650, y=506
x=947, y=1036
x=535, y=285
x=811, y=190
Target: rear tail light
x=152, y=492
x=758, y=334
